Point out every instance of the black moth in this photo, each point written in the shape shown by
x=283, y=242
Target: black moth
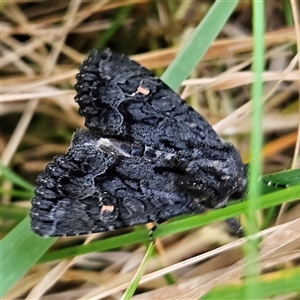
x=147, y=156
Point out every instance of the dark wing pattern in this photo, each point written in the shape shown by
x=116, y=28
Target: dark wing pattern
x=99, y=185
x=147, y=156
x=121, y=99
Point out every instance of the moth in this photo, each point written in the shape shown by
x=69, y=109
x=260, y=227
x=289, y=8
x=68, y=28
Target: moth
x=146, y=156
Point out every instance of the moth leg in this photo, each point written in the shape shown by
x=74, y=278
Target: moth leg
x=151, y=232
x=235, y=227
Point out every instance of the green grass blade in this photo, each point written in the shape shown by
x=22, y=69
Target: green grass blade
x=15, y=179
x=288, y=13
x=118, y=21
x=289, y=178
x=140, y=272
x=11, y=212
x=281, y=283
x=201, y=39
x=252, y=268
x=20, y=250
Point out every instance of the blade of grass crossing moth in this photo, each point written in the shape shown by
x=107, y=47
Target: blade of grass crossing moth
x=269, y=200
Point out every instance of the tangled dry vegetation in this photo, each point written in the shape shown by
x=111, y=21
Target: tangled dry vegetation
x=43, y=44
